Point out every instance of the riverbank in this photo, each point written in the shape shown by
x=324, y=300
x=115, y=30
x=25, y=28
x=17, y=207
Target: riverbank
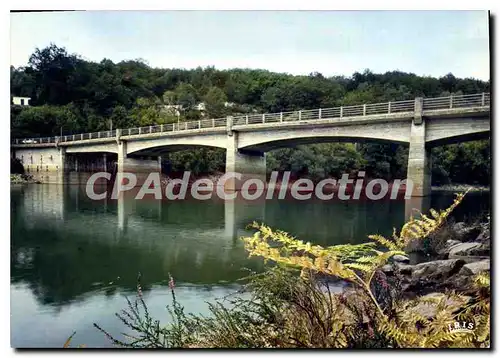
x=461, y=188
x=456, y=253
x=23, y=179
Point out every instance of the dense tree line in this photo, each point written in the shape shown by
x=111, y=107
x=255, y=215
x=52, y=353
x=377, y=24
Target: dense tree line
x=70, y=95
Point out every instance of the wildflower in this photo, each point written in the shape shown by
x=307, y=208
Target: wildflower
x=370, y=331
x=171, y=282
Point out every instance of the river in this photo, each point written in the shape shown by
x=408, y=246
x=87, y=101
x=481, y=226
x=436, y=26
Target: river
x=74, y=259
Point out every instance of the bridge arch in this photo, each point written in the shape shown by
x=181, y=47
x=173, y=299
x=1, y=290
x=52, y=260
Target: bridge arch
x=448, y=131
x=172, y=144
x=95, y=148
x=263, y=141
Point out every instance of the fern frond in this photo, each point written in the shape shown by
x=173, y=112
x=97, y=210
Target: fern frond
x=384, y=242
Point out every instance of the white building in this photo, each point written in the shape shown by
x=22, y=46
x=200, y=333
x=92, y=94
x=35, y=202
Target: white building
x=21, y=101
x=200, y=106
x=173, y=109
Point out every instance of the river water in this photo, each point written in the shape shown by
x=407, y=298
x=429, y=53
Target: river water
x=73, y=259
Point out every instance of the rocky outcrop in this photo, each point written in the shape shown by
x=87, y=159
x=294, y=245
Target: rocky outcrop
x=436, y=270
x=484, y=236
x=464, y=249
x=426, y=275
x=475, y=268
x=464, y=232
x=429, y=304
x=400, y=258
x=463, y=253
x=440, y=242
x=444, y=252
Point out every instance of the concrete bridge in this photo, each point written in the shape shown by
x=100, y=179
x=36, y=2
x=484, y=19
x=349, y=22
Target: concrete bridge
x=421, y=124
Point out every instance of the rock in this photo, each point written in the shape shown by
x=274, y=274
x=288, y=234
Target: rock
x=484, y=237
x=388, y=269
x=464, y=232
x=443, y=253
x=429, y=308
x=435, y=271
x=404, y=269
x=474, y=268
x=464, y=249
x=450, y=243
x=400, y=258
x=471, y=259
x=483, y=250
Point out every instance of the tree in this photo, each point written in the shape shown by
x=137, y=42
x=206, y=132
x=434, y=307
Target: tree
x=186, y=96
x=52, y=68
x=120, y=117
x=215, y=101
x=169, y=98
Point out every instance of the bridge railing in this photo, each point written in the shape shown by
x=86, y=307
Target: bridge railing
x=449, y=102
x=462, y=101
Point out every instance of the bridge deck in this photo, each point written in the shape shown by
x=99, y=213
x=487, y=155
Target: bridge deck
x=442, y=107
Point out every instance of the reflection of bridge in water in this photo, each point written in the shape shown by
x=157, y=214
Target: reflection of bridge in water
x=58, y=203
x=65, y=245
x=143, y=218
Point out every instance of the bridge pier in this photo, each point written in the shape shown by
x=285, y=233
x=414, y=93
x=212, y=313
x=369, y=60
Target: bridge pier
x=122, y=156
x=419, y=157
x=250, y=164
x=140, y=167
x=62, y=160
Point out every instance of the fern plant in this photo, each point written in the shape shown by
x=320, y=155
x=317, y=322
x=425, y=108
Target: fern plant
x=359, y=264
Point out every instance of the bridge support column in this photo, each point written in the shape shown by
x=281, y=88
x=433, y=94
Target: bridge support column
x=250, y=164
x=419, y=161
x=122, y=156
x=62, y=159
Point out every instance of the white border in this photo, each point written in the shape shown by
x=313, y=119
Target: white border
x=6, y=351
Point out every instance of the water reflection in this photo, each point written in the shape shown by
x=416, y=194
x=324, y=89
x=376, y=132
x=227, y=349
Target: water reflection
x=65, y=245
x=72, y=256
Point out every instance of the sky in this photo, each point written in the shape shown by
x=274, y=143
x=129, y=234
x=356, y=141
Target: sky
x=430, y=43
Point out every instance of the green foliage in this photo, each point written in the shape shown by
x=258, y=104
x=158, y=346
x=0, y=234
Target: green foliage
x=317, y=161
x=46, y=120
x=186, y=96
x=462, y=163
x=197, y=161
x=16, y=167
x=215, y=100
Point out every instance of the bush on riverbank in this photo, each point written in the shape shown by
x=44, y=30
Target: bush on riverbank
x=17, y=173
x=22, y=179
x=291, y=310
x=16, y=167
